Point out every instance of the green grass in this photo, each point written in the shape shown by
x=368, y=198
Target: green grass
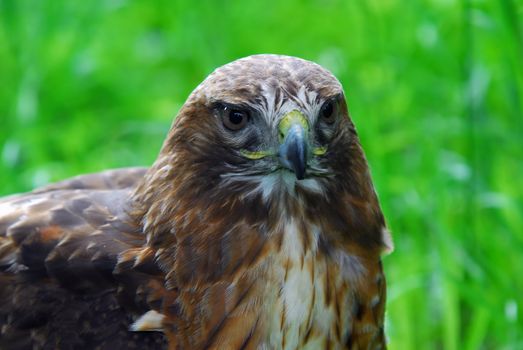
x=435, y=88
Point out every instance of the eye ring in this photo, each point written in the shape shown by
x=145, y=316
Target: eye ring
x=327, y=112
x=234, y=119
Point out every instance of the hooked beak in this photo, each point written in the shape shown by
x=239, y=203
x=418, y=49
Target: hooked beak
x=293, y=151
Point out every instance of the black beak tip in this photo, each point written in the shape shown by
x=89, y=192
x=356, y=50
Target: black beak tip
x=300, y=173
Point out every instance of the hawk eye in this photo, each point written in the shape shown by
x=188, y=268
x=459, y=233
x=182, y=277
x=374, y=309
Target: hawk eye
x=327, y=112
x=234, y=119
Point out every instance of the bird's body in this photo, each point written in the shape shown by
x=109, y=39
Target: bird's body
x=256, y=228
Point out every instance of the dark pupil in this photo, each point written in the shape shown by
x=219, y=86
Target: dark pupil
x=327, y=110
x=236, y=117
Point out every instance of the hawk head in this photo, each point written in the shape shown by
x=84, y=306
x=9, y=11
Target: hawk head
x=265, y=135
x=273, y=122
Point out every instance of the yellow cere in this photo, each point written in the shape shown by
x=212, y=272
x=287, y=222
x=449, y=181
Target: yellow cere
x=290, y=119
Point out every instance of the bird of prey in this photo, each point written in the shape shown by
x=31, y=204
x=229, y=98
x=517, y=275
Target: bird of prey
x=257, y=227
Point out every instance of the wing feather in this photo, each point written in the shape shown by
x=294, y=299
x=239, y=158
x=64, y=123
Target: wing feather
x=59, y=249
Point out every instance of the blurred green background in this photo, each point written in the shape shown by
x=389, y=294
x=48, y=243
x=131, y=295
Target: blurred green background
x=435, y=88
